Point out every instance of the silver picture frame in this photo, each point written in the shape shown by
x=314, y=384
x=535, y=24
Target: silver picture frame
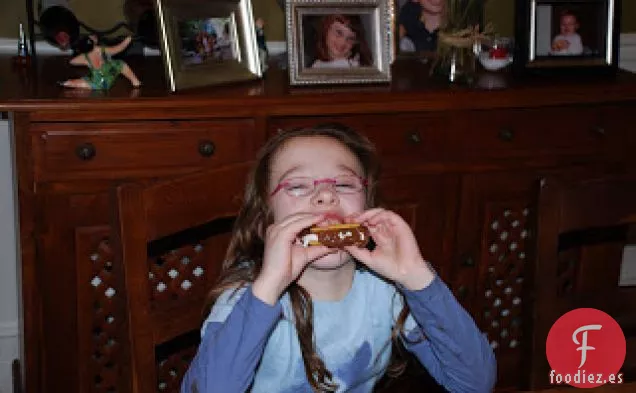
x=239, y=60
x=370, y=60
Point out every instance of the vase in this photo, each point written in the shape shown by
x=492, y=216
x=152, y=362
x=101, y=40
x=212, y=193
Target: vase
x=456, y=60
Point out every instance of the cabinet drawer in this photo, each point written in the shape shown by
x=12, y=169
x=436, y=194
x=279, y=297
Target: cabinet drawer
x=111, y=150
x=394, y=135
x=469, y=136
x=543, y=131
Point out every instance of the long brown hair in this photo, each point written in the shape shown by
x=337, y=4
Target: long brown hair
x=353, y=22
x=244, y=256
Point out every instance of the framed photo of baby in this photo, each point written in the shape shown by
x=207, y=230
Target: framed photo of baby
x=580, y=35
x=338, y=41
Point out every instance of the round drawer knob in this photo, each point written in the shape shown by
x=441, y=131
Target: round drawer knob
x=600, y=131
x=414, y=137
x=85, y=151
x=506, y=134
x=468, y=262
x=462, y=292
x=206, y=148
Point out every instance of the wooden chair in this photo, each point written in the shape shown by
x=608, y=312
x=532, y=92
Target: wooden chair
x=582, y=227
x=172, y=236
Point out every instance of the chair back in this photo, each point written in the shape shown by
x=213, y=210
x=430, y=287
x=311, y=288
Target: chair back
x=583, y=225
x=172, y=236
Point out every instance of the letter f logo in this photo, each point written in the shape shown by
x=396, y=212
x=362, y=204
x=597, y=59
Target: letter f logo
x=584, y=347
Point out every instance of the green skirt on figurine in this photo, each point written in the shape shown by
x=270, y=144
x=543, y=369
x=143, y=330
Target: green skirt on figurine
x=103, y=78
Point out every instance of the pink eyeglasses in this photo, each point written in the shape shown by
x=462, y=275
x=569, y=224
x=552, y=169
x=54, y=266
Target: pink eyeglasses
x=303, y=186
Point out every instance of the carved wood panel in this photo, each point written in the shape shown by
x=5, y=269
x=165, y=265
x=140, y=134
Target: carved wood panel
x=504, y=255
x=102, y=320
x=180, y=273
x=494, y=261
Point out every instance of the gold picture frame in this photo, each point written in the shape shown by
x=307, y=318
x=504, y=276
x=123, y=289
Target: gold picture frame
x=207, y=42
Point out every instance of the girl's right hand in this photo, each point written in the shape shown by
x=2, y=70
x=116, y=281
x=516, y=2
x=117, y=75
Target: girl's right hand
x=284, y=258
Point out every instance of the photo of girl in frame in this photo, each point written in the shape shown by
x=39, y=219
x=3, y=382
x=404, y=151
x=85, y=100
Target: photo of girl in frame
x=336, y=41
x=339, y=41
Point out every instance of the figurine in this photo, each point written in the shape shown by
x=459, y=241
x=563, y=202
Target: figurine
x=259, y=23
x=104, y=70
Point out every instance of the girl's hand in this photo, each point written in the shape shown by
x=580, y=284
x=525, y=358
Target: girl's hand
x=284, y=258
x=397, y=255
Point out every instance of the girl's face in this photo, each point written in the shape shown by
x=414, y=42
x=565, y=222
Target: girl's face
x=340, y=40
x=316, y=157
x=432, y=6
x=569, y=25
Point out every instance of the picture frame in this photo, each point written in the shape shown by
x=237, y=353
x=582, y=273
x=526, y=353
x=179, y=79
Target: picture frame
x=414, y=38
x=567, y=36
x=339, y=41
x=207, y=42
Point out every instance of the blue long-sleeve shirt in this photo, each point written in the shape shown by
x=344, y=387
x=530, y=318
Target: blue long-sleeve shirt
x=247, y=343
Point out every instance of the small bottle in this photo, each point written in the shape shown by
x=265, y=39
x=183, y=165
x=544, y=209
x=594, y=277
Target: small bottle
x=23, y=57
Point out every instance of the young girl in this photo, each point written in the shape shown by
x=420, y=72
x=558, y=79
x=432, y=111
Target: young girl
x=342, y=43
x=419, y=23
x=289, y=318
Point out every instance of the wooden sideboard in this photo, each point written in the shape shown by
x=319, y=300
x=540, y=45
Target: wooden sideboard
x=460, y=163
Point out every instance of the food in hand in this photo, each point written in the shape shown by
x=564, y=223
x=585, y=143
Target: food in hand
x=336, y=236
x=560, y=45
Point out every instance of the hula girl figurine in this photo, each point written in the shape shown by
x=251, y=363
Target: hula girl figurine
x=104, y=70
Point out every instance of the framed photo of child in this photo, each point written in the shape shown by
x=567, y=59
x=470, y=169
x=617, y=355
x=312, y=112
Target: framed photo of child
x=338, y=41
x=567, y=36
x=418, y=22
x=207, y=42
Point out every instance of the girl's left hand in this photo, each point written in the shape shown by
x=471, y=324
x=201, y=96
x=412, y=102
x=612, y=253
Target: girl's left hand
x=396, y=255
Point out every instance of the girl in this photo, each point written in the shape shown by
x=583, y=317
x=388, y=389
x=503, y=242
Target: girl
x=342, y=43
x=288, y=318
x=419, y=23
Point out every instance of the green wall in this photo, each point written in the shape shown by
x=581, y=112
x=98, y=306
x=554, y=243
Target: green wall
x=103, y=14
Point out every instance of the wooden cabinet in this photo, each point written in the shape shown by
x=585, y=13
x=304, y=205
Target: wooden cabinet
x=460, y=165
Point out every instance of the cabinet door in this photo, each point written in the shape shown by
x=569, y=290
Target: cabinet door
x=427, y=203
x=83, y=319
x=492, y=263
x=85, y=330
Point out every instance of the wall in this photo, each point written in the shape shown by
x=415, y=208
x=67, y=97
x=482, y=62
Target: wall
x=8, y=263
x=103, y=14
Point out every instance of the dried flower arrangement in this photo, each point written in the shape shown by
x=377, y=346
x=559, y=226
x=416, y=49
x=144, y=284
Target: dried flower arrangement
x=460, y=36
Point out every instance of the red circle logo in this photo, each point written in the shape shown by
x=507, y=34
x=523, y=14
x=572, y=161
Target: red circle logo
x=585, y=348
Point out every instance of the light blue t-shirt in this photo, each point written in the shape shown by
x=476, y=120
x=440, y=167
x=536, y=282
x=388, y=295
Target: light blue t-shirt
x=249, y=345
x=353, y=340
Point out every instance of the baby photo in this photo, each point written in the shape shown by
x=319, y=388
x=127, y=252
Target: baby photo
x=337, y=41
x=571, y=28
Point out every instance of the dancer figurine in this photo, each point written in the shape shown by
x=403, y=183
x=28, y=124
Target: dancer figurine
x=104, y=70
